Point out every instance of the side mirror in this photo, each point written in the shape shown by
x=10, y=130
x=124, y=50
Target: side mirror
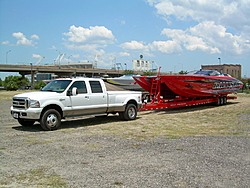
x=74, y=91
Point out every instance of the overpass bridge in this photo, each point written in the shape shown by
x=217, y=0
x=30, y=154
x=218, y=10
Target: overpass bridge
x=61, y=71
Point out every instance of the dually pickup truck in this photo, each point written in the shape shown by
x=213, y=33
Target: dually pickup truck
x=68, y=97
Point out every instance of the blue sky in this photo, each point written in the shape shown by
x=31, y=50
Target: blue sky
x=176, y=34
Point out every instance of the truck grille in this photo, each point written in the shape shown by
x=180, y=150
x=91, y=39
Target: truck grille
x=20, y=103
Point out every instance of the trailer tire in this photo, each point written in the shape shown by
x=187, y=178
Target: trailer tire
x=26, y=123
x=50, y=120
x=219, y=101
x=130, y=112
x=224, y=100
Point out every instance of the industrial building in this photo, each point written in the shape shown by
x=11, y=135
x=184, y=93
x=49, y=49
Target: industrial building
x=233, y=70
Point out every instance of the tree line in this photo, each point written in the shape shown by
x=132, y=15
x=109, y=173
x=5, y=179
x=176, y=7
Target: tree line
x=12, y=83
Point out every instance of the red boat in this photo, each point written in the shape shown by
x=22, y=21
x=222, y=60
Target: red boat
x=202, y=83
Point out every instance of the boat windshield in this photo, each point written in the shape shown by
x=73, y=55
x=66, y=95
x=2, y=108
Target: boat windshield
x=206, y=73
x=57, y=86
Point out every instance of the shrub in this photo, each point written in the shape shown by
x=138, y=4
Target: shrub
x=39, y=85
x=11, y=86
x=15, y=82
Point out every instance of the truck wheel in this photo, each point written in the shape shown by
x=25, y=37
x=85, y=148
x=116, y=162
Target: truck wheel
x=130, y=112
x=50, y=120
x=26, y=123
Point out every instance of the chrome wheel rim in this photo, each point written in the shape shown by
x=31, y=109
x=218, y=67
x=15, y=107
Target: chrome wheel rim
x=131, y=112
x=52, y=120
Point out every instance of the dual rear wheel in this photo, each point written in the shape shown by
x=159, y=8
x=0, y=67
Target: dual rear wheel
x=130, y=112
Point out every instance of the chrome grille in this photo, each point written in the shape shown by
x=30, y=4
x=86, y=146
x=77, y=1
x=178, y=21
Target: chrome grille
x=20, y=103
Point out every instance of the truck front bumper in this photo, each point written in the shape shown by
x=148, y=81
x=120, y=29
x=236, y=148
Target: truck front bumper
x=26, y=114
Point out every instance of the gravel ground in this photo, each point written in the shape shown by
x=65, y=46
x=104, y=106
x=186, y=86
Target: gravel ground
x=84, y=160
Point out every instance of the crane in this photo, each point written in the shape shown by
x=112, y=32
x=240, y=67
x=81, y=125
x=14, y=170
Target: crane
x=40, y=59
x=58, y=60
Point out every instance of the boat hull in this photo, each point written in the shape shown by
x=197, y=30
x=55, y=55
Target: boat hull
x=191, y=85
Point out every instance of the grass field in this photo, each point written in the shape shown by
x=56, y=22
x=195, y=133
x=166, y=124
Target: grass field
x=230, y=119
x=7, y=95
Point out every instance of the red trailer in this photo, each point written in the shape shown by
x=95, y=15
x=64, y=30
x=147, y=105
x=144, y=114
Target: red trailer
x=170, y=91
x=180, y=101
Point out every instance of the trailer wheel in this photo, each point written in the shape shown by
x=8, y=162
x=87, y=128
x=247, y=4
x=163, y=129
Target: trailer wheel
x=50, y=120
x=224, y=100
x=219, y=101
x=130, y=112
x=26, y=123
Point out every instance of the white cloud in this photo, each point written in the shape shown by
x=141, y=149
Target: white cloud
x=166, y=47
x=209, y=38
x=36, y=56
x=92, y=35
x=232, y=14
x=205, y=37
x=6, y=42
x=137, y=46
x=133, y=45
x=124, y=54
x=22, y=40
x=35, y=37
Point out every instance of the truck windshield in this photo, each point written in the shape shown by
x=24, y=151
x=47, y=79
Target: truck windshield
x=57, y=86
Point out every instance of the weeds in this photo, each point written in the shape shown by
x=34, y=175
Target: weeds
x=35, y=178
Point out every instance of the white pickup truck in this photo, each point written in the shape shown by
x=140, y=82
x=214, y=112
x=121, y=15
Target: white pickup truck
x=73, y=97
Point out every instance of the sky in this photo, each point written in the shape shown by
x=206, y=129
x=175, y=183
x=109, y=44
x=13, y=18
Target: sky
x=176, y=34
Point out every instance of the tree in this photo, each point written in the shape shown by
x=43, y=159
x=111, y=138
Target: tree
x=183, y=72
x=15, y=82
x=39, y=85
x=128, y=72
x=1, y=82
x=149, y=73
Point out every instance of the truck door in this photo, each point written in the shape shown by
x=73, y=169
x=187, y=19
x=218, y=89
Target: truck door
x=79, y=103
x=98, y=99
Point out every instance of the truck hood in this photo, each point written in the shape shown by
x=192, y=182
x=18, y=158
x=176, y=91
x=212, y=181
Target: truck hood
x=38, y=95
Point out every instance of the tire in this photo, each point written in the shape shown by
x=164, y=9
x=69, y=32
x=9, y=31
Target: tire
x=130, y=112
x=50, y=120
x=26, y=123
x=224, y=100
x=219, y=101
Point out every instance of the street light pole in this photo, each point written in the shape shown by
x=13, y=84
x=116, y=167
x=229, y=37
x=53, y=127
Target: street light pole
x=32, y=76
x=7, y=56
x=219, y=61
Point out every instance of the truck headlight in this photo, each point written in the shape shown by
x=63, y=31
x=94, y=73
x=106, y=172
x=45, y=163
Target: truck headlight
x=34, y=104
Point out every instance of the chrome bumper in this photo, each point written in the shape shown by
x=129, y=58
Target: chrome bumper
x=22, y=114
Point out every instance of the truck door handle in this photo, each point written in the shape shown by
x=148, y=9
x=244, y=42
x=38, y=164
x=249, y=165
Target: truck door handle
x=86, y=97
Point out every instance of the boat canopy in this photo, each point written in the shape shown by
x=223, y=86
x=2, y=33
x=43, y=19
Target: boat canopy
x=206, y=73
